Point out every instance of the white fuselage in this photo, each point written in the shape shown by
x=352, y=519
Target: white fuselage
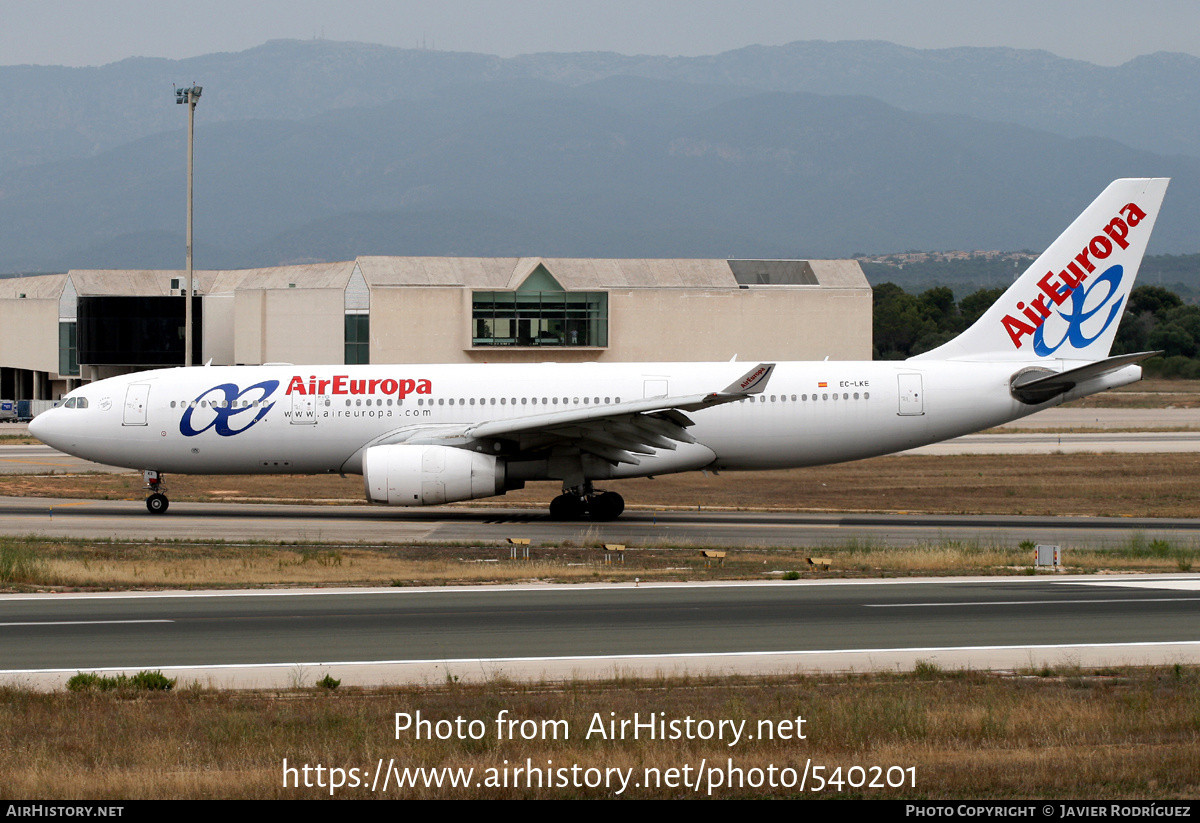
x=313, y=419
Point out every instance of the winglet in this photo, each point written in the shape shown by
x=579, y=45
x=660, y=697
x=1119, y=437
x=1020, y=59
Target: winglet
x=752, y=382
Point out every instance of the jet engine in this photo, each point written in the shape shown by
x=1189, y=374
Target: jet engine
x=430, y=475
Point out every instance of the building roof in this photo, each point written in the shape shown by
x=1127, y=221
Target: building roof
x=583, y=274
x=490, y=273
x=305, y=276
x=34, y=287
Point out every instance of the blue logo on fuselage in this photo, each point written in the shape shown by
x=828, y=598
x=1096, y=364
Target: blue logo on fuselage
x=229, y=403
x=1078, y=316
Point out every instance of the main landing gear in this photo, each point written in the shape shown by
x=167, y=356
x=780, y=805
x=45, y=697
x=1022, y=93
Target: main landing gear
x=157, y=502
x=584, y=501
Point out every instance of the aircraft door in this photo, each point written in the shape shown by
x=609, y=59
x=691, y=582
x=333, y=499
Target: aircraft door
x=136, y=397
x=304, y=410
x=912, y=397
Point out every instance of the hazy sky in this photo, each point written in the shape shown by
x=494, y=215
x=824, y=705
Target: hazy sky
x=86, y=32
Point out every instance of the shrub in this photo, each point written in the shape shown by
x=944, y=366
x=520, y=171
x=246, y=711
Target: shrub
x=143, y=681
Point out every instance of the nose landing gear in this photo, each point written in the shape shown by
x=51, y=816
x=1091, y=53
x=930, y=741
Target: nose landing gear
x=157, y=502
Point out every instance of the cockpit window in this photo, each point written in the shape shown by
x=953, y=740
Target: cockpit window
x=75, y=403
x=70, y=404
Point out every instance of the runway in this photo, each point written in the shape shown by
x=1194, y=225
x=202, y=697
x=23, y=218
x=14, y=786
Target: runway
x=128, y=520
x=1061, y=442
x=45, y=460
x=425, y=635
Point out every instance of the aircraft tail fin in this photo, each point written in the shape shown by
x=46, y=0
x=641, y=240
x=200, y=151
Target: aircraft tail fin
x=1067, y=305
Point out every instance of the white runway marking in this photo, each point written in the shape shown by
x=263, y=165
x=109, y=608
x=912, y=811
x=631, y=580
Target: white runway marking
x=621, y=657
x=1030, y=602
x=85, y=622
x=1183, y=585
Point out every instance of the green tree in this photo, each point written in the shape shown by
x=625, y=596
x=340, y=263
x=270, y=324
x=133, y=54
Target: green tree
x=899, y=322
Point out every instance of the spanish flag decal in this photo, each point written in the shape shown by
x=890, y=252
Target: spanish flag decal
x=822, y=385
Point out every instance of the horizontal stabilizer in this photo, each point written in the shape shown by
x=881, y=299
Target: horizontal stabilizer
x=1038, y=385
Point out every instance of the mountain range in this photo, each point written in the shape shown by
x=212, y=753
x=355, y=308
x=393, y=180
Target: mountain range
x=317, y=150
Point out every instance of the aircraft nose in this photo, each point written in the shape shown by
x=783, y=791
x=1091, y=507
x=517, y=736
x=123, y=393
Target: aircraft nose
x=42, y=427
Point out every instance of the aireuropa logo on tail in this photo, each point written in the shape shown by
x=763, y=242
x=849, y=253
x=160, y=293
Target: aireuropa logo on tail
x=1056, y=289
x=753, y=377
x=227, y=409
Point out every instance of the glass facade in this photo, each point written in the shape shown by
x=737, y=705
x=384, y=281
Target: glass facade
x=68, y=348
x=136, y=331
x=358, y=339
x=539, y=318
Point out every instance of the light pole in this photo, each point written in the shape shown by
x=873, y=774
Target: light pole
x=190, y=96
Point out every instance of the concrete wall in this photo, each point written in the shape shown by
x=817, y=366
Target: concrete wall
x=760, y=322
x=219, y=329
x=29, y=334
x=302, y=326
x=757, y=323
x=410, y=325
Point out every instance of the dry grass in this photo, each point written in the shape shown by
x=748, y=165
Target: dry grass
x=43, y=563
x=1141, y=485
x=1129, y=734
x=1155, y=393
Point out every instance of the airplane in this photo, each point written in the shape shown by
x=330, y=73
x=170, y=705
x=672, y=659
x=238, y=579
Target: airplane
x=423, y=435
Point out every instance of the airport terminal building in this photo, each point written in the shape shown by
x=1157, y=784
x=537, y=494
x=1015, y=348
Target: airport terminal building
x=60, y=330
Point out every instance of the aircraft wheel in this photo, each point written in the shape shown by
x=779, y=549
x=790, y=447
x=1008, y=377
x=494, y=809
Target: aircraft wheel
x=607, y=506
x=157, y=503
x=566, y=507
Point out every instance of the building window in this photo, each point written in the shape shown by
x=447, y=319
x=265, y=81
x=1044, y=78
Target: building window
x=358, y=339
x=539, y=318
x=68, y=348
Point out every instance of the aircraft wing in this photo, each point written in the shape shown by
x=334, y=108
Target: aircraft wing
x=616, y=433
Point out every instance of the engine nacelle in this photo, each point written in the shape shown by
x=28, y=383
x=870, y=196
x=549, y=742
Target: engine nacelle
x=430, y=475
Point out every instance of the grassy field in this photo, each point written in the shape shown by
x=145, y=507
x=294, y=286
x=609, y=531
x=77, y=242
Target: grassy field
x=1038, y=734
x=1146, y=394
x=30, y=563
